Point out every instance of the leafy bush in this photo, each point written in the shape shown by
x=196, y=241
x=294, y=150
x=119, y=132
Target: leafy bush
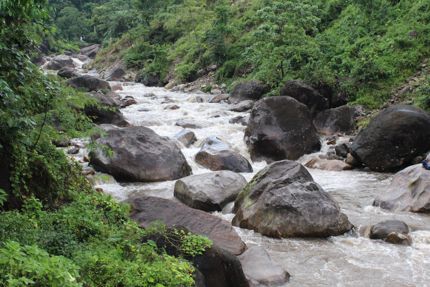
x=31, y=266
x=94, y=232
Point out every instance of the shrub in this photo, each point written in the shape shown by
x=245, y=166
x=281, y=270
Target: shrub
x=31, y=266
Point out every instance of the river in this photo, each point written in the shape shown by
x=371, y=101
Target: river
x=348, y=260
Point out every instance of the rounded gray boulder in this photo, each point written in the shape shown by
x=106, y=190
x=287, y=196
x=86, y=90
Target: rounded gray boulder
x=282, y=200
x=209, y=191
x=138, y=154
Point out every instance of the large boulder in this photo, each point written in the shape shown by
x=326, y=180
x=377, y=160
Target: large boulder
x=59, y=62
x=408, y=191
x=105, y=110
x=306, y=95
x=334, y=121
x=393, y=138
x=88, y=83
x=146, y=210
x=280, y=128
x=282, y=200
x=216, y=155
x=260, y=270
x=392, y=231
x=139, y=154
x=90, y=51
x=251, y=90
x=209, y=191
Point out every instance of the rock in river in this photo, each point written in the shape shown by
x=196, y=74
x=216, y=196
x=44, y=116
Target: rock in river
x=216, y=155
x=139, y=154
x=150, y=209
x=408, y=191
x=280, y=128
x=392, y=231
x=260, y=270
x=393, y=138
x=186, y=137
x=282, y=200
x=209, y=191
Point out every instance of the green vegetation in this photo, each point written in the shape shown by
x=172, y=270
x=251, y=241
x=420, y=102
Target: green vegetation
x=54, y=229
x=363, y=49
x=95, y=242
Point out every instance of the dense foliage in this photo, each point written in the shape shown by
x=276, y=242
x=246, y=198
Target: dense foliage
x=363, y=49
x=89, y=242
x=54, y=229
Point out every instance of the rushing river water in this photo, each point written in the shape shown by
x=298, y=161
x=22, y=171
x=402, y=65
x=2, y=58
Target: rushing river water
x=349, y=260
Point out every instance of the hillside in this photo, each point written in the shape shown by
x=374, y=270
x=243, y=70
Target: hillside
x=361, y=50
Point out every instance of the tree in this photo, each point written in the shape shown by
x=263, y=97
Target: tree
x=72, y=24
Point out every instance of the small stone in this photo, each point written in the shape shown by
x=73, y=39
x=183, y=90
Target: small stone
x=128, y=101
x=186, y=137
x=171, y=107
x=187, y=124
